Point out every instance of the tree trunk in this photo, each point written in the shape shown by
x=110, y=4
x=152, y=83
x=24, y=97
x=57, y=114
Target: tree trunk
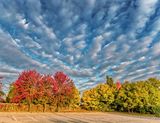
x=44, y=107
x=57, y=104
x=57, y=108
x=29, y=107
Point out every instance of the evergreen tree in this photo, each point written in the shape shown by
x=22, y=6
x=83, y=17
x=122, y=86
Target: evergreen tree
x=109, y=81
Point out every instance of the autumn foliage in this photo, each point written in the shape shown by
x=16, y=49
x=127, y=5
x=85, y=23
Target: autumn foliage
x=33, y=91
x=118, y=84
x=139, y=96
x=32, y=88
x=25, y=87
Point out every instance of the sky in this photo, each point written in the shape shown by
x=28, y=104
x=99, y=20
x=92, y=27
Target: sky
x=87, y=39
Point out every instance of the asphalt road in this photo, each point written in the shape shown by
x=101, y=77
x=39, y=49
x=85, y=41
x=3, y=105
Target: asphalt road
x=95, y=117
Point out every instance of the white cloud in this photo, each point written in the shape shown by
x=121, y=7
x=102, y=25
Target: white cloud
x=85, y=39
x=145, y=9
x=156, y=48
x=96, y=47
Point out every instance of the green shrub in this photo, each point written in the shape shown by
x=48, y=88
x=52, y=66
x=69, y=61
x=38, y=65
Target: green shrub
x=155, y=110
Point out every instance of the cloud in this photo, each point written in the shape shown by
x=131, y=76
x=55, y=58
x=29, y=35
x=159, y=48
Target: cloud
x=96, y=46
x=87, y=39
x=156, y=49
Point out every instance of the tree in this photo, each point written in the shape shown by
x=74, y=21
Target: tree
x=106, y=96
x=46, y=88
x=1, y=93
x=74, y=101
x=126, y=98
x=99, y=98
x=140, y=96
x=90, y=99
x=10, y=94
x=25, y=87
x=118, y=84
x=154, y=82
x=63, y=90
x=34, y=88
x=109, y=81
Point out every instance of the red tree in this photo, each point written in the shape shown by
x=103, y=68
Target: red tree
x=25, y=87
x=118, y=84
x=63, y=89
x=55, y=88
x=32, y=86
x=46, y=88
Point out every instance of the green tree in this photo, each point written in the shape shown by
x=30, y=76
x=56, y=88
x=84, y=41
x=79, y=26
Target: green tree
x=109, y=81
x=1, y=94
x=10, y=94
x=99, y=98
x=140, y=96
x=154, y=82
x=74, y=100
x=106, y=96
x=90, y=99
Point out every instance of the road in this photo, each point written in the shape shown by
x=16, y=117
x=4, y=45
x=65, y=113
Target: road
x=95, y=117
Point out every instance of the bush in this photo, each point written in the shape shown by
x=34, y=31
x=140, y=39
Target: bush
x=156, y=110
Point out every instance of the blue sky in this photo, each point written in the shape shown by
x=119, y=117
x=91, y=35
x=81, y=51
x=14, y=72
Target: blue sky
x=87, y=39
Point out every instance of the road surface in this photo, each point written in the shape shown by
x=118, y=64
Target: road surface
x=95, y=117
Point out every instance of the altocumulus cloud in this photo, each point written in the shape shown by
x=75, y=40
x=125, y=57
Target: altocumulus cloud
x=87, y=39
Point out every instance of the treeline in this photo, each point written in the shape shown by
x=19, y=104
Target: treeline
x=58, y=91
x=32, y=88
x=140, y=96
